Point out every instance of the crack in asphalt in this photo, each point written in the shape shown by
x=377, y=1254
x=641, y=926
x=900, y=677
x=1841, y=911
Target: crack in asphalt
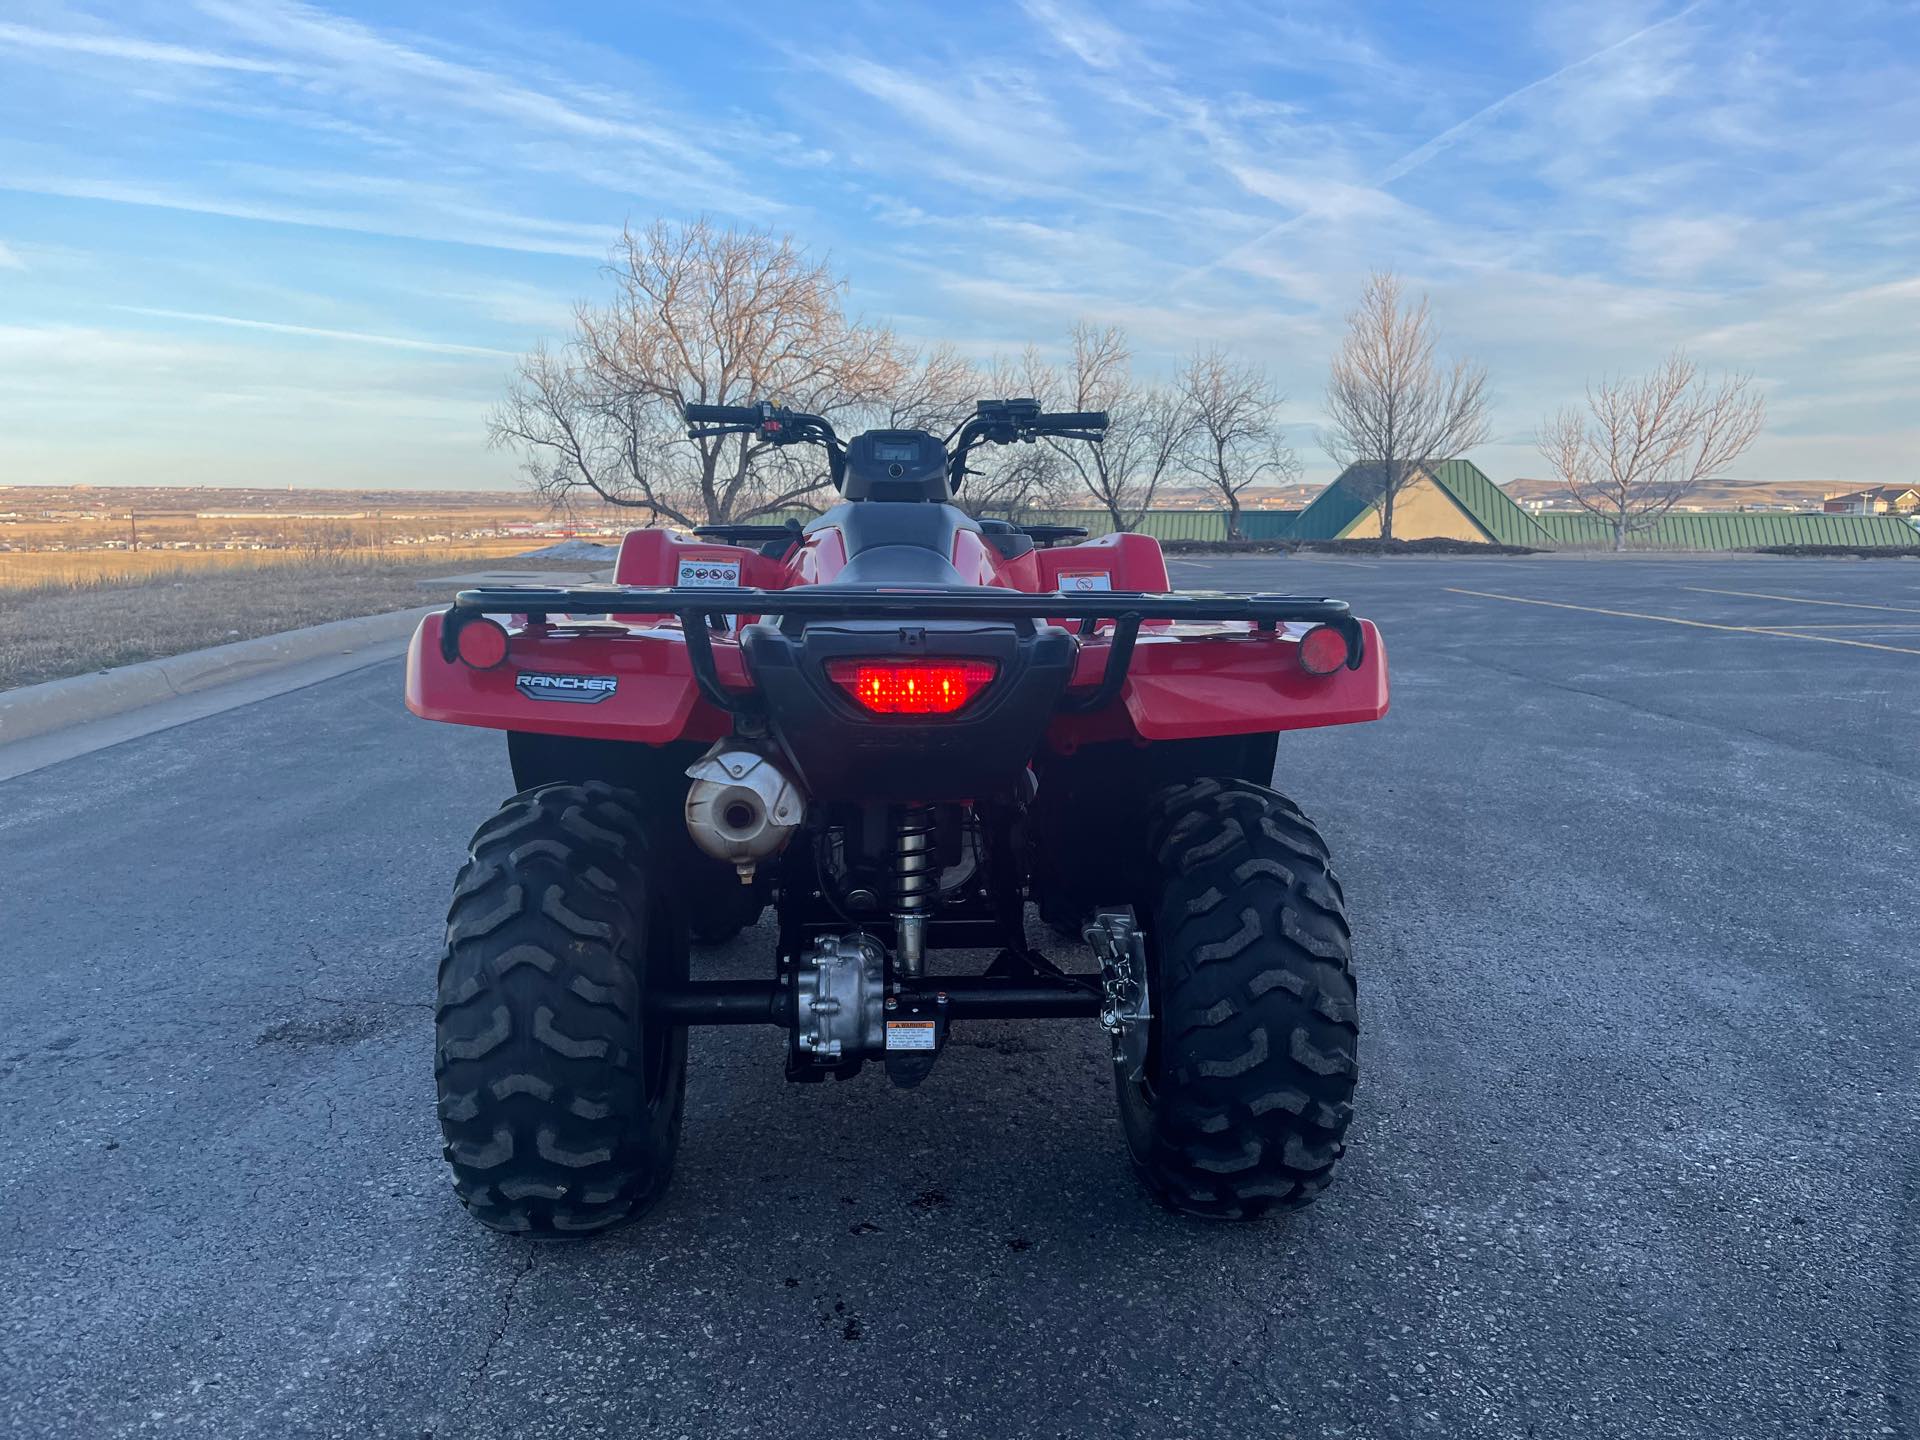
x=476, y=1381
x=1264, y=1346
x=357, y=1001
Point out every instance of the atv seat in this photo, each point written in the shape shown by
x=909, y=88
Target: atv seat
x=898, y=565
x=895, y=542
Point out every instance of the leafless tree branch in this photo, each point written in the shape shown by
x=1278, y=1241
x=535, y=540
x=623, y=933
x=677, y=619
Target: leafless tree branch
x=1148, y=426
x=712, y=315
x=1230, y=435
x=1644, y=444
x=1392, y=407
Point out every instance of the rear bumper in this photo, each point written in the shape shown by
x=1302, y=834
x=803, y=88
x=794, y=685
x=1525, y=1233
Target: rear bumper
x=1146, y=667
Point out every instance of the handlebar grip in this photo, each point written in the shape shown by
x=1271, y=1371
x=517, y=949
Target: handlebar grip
x=721, y=414
x=1073, y=420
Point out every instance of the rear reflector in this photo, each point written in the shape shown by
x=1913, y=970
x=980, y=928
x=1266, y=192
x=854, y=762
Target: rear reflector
x=1323, y=650
x=911, y=687
x=482, y=643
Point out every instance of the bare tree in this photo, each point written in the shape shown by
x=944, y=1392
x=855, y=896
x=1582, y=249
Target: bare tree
x=1395, y=410
x=935, y=392
x=325, y=541
x=1233, y=440
x=1148, y=426
x=1642, y=445
x=700, y=314
x=1013, y=478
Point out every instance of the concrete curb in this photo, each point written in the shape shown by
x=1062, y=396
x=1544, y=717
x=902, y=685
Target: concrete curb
x=58, y=704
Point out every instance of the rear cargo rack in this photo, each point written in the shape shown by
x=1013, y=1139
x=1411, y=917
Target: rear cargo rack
x=696, y=608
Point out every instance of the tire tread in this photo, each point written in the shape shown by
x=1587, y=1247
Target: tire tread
x=1258, y=1017
x=539, y=1059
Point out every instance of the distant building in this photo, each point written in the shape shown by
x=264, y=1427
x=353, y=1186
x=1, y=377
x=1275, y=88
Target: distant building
x=1456, y=501
x=1875, y=500
x=1452, y=501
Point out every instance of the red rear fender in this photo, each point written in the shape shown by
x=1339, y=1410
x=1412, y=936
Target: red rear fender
x=1113, y=562
x=653, y=698
x=664, y=557
x=1183, y=686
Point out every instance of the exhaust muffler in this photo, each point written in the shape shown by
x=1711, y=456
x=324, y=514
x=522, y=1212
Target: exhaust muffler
x=742, y=806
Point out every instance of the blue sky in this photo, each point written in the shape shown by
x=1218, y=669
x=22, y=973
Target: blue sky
x=247, y=241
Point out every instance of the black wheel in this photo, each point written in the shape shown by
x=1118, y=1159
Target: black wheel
x=1248, y=1086
x=559, y=1101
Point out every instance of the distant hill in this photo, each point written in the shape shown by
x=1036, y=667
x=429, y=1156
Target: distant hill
x=1714, y=495
x=1260, y=497
x=190, y=499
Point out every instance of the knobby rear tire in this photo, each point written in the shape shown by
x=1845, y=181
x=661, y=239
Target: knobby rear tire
x=559, y=1103
x=1250, y=1076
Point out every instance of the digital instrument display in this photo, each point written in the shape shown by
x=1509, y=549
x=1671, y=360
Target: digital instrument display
x=904, y=452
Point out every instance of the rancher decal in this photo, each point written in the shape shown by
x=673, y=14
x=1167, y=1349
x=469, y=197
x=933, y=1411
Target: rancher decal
x=578, y=689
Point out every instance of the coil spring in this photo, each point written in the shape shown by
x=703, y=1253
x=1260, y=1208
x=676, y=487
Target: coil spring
x=913, y=867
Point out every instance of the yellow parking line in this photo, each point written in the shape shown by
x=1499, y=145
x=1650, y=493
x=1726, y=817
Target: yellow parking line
x=1676, y=620
x=1804, y=599
x=1858, y=625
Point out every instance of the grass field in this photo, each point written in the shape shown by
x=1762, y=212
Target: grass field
x=65, y=570
x=93, y=620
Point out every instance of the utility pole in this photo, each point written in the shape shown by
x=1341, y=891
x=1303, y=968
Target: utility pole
x=133, y=530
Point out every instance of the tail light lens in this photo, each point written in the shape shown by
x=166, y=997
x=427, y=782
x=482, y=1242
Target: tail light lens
x=482, y=643
x=1323, y=650
x=912, y=687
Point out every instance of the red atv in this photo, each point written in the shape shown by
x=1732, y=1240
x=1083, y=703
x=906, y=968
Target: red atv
x=895, y=726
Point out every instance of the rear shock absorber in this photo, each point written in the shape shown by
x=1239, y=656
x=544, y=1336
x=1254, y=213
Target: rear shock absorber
x=914, y=879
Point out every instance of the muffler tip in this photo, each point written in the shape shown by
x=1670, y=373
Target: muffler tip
x=742, y=805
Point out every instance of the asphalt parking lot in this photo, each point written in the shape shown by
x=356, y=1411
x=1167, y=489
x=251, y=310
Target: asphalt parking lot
x=1634, y=870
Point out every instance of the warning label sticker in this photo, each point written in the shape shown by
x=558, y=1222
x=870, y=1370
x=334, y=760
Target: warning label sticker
x=706, y=574
x=910, y=1035
x=1085, y=580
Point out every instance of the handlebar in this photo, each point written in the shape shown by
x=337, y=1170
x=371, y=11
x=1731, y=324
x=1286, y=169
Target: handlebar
x=722, y=414
x=1000, y=422
x=1004, y=422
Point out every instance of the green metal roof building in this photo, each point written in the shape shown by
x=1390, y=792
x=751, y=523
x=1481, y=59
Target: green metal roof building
x=1457, y=495
x=1349, y=505
x=1735, y=530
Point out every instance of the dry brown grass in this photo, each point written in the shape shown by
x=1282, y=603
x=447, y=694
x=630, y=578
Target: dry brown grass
x=55, y=630
x=40, y=569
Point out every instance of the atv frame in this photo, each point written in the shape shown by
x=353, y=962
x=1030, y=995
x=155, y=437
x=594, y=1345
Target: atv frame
x=695, y=699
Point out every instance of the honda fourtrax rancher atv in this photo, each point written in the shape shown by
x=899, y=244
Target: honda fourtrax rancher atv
x=896, y=726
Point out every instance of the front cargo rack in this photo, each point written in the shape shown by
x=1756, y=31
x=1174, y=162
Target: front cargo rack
x=697, y=606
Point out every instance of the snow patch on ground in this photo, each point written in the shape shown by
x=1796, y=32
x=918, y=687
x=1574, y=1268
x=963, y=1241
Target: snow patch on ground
x=574, y=550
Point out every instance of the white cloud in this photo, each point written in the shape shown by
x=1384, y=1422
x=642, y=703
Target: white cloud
x=1681, y=247
x=8, y=259
x=316, y=332
x=1086, y=36
x=546, y=237
x=362, y=58
x=108, y=45
x=999, y=118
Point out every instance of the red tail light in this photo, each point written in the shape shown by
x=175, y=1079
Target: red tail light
x=482, y=643
x=1323, y=650
x=912, y=687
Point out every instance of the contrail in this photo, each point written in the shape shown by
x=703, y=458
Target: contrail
x=359, y=337
x=1446, y=139
x=1414, y=159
